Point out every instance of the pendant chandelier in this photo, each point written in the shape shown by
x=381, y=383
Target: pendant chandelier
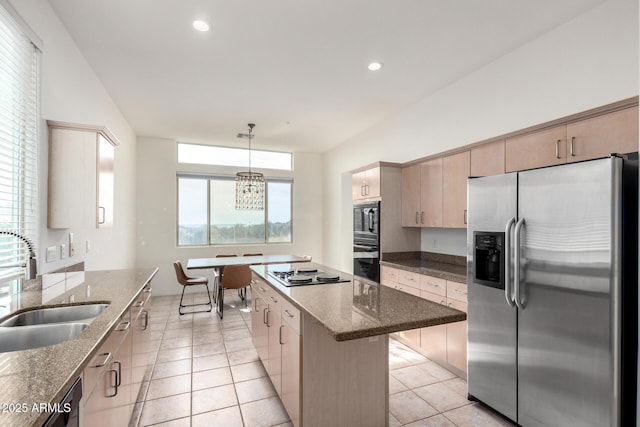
x=249, y=185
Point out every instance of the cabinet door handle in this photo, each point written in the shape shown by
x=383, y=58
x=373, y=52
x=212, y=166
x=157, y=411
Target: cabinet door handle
x=139, y=304
x=573, y=140
x=146, y=320
x=557, y=149
x=119, y=376
x=265, y=316
x=107, y=356
x=275, y=301
x=104, y=214
x=127, y=323
x=115, y=386
x=421, y=217
x=289, y=314
x=280, y=335
x=147, y=289
x=417, y=214
x=465, y=216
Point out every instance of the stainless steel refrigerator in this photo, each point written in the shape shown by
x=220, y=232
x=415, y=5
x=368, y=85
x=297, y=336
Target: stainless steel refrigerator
x=553, y=277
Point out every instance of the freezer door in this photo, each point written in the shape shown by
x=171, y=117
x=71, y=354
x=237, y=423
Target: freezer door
x=566, y=329
x=491, y=351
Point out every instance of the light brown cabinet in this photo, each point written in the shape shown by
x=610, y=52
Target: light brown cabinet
x=81, y=176
x=107, y=392
x=411, y=196
x=488, y=159
x=275, y=332
x=543, y=148
x=455, y=172
x=434, y=193
x=366, y=184
x=444, y=343
x=599, y=136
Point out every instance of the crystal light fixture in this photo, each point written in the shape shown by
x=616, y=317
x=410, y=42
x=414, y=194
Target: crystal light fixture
x=249, y=185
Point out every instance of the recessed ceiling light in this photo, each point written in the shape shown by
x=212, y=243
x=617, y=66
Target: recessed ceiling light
x=201, y=25
x=375, y=66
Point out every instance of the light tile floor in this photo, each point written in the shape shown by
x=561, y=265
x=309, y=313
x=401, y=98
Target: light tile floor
x=207, y=373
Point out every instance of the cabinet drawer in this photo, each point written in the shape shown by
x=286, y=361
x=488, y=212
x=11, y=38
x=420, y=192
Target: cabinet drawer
x=440, y=299
x=388, y=274
x=457, y=291
x=291, y=315
x=458, y=305
x=409, y=290
x=409, y=278
x=433, y=284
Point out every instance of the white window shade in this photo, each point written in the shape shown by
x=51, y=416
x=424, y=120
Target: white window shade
x=18, y=145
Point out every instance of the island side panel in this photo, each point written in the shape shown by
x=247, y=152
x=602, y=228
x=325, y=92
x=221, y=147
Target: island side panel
x=344, y=383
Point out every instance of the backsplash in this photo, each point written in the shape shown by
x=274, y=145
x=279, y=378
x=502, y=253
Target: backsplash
x=451, y=241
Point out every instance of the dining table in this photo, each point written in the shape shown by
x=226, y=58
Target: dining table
x=218, y=263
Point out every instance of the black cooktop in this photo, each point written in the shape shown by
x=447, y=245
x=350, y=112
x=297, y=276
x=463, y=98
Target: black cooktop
x=306, y=276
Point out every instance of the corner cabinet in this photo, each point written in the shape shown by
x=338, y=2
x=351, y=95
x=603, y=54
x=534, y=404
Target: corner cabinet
x=81, y=176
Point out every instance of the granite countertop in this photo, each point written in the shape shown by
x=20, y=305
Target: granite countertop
x=43, y=375
x=360, y=308
x=446, y=267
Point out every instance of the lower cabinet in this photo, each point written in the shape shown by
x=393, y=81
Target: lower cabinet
x=444, y=343
x=275, y=330
x=109, y=373
x=114, y=376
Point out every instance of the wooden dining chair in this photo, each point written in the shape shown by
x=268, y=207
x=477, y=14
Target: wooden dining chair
x=217, y=275
x=235, y=277
x=186, y=281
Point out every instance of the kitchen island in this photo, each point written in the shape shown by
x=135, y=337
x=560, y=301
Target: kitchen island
x=32, y=381
x=325, y=346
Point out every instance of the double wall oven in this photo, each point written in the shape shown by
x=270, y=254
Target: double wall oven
x=366, y=240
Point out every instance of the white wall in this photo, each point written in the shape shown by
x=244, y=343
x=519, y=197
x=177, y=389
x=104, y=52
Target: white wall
x=157, y=212
x=71, y=92
x=587, y=62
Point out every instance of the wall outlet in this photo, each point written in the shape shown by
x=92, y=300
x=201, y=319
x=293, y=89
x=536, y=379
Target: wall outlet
x=52, y=252
x=63, y=251
x=88, y=246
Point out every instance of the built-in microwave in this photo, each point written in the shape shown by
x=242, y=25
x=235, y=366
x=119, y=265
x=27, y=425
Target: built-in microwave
x=366, y=240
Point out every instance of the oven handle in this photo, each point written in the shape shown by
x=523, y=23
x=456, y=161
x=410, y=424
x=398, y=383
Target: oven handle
x=366, y=248
x=371, y=220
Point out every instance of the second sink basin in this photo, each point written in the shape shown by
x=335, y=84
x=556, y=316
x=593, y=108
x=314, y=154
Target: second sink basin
x=42, y=316
x=28, y=337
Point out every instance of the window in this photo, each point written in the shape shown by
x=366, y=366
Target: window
x=19, y=67
x=226, y=156
x=207, y=214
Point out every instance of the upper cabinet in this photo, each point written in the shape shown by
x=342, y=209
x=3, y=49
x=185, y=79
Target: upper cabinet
x=488, y=159
x=422, y=194
x=543, y=148
x=81, y=176
x=600, y=136
x=434, y=193
x=366, y=184
x=615, y=132
x=455, y=172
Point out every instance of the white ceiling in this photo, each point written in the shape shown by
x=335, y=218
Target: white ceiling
x=296, y=68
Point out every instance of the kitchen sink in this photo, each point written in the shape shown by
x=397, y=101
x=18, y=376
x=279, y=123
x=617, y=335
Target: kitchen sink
x=35, y=336
x=41, y=316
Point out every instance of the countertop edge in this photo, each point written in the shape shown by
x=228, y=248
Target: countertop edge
x=442, y=274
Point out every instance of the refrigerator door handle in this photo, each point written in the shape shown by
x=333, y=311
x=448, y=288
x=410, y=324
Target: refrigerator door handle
x=516, y=270
x=508, y=293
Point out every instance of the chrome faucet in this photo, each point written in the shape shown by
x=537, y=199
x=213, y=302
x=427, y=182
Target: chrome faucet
x=31, y=266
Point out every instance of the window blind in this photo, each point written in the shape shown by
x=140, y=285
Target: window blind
x=19, y=109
